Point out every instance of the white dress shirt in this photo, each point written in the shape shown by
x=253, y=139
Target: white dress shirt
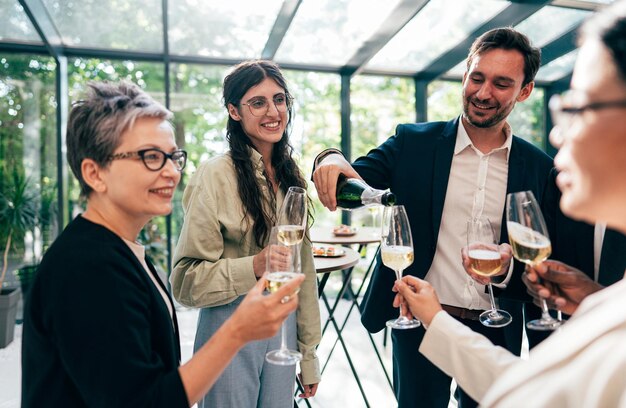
x=140, y=253
x=476, y=186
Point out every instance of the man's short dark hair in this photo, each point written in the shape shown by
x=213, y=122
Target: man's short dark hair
x=508, y=38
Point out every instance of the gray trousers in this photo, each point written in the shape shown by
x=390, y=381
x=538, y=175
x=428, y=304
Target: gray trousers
x=248, y=381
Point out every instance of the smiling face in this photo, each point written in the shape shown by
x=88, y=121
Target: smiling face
x=265, y=130
x=492, y=85
x=592, y=150
x=131, y=191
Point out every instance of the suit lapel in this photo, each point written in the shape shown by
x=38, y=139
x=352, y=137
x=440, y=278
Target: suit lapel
x=515, y=182
x=444, y=152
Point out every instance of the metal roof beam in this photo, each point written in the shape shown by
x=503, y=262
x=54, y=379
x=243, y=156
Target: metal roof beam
x=281, y=25
x=512, y=15
x=45, y=27
x=578, y=4
x=399, y=17
x=559, y=46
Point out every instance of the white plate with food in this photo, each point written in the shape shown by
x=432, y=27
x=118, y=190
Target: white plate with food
x=328, y=251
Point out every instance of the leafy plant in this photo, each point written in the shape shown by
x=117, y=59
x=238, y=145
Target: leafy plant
x=19, y=207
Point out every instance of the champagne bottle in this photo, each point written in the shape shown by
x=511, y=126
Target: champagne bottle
x=354, y=193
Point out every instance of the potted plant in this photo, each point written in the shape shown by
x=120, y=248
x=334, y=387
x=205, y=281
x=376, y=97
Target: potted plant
x=18, y=214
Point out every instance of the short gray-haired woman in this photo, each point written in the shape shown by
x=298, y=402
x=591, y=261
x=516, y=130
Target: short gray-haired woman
x=100, y=328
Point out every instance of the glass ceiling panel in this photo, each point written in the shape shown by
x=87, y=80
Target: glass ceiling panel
x=558, y=68
x=222, y=29
x=440, y=25
x=549, y=23
x=121, y=24
x=331, y=31
x=458, y=70
x=15, y=24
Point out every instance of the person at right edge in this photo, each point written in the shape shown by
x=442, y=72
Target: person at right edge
x=444, y=173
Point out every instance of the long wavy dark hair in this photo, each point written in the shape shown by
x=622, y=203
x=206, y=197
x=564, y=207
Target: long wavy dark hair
x=243, y=77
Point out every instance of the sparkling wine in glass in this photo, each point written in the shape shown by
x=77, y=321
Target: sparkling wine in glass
x=292, y=220
x=485, y=260
x=396, y=250
x=280, y=267
x=529, y=240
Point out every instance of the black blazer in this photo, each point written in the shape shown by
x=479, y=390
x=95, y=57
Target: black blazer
x=97, y=332
x=572, y=241
x=415, y=165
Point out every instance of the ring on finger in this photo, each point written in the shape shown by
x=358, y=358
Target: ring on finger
x=285, y=299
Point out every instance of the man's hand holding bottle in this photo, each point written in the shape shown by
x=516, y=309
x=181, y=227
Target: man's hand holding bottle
x=339, y=185
x=326, y=175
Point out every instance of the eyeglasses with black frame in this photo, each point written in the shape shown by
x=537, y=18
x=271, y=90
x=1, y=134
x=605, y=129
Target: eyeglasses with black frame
x=259, y=106
x=563, y=109
x=154, y=159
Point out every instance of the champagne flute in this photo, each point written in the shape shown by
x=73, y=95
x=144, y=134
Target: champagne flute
x=485, y=260
x=292, y=220
x=288, y=235
x=280, y=267
x=528, y=235
x=396, y=249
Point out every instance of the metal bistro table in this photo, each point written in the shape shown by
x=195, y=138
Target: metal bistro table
x=362, y=237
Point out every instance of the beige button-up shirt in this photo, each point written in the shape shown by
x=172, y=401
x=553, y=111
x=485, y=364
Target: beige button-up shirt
x=213, y=257
x=476, y=186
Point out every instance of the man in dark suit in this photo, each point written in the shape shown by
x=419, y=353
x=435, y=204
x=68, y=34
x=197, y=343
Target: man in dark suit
x=444, y=173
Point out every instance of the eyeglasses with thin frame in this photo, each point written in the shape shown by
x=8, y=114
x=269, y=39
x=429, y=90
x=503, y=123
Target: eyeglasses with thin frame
x=154, y=159
x=259, y=106
x=563, y=115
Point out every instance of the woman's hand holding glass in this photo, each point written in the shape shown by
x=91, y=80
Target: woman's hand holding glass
x=419, y=297
x=528, y=235
x=280, y=268
x=283, y=259
x=260, y=316
x=396, y=250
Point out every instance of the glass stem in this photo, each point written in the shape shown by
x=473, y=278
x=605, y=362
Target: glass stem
x=491, y=298
x=283, y=337
x=545, y=314
x=398, y=277
x=297, y=260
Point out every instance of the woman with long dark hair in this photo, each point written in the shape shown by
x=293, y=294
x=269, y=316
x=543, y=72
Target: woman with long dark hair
x=231, y=204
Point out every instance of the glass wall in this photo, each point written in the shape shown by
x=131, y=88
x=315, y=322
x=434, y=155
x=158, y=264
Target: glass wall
x=150, y=77
x=28, y=153
x=316, y=126
x=378, y=105
x=199, y=122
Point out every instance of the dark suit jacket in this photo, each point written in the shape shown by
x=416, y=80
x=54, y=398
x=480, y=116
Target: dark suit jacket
x=97, y=332
x=415, y=165
x=572, y=241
